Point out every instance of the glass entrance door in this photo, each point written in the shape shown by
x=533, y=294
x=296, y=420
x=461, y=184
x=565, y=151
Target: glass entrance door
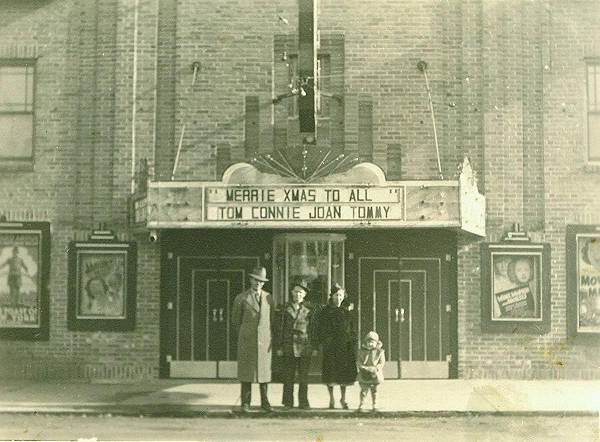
x=315, y=259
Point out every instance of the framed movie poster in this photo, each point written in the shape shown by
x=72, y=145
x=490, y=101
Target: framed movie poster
x=515, y=281
x=102, y=285
x=24, y=271
x=583, y=282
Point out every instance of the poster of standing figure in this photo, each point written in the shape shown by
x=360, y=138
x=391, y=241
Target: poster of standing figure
x=22, y=279
x=102, y=285
x=515, y=286
x=588, y=283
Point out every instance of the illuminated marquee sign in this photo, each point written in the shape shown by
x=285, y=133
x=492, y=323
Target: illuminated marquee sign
x=343, y=203
x=358, y=198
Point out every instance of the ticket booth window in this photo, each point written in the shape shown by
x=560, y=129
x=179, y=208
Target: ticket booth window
x=316, y=259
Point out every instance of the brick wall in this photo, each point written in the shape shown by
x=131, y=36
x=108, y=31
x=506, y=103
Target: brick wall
x=81, y=171
x=499, y=72
x=534, y=147
x=233, y=41
x=507, y=85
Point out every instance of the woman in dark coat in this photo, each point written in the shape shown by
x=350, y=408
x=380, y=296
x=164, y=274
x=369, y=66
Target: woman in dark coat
x=338, y=341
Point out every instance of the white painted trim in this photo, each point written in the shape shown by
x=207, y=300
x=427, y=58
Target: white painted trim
x=134, y=93
x=375, y=272
x=227, y=282
x=234, y=167
x=175, y=184
x=256, y=258
x=206, y=343
x=424, y=370
x=389, y=320
x=409, y=317
x=194, y=271
x=155, y=92
x=524, y=245
x=310, y=236
x=193, y=369
x=360, y=259
x=424, y=311
x=101, y=245
x=304, y=224
x=439, y=261
x=178, y=285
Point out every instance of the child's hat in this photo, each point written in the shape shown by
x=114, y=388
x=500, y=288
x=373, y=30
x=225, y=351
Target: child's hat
x=372, y=336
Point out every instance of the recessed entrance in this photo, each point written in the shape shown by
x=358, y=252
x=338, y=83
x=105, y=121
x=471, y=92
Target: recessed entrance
x=402, y=284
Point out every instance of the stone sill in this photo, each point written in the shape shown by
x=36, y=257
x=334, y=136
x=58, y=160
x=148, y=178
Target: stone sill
x=14, y=165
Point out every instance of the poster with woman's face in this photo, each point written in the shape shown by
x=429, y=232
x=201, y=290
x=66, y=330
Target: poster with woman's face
x=101, y=285
x=516, y=291
x=588, y=283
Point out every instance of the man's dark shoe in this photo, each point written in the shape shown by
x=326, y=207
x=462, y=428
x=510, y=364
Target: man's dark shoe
x=304, y=407
x=267, y=408
x=245, y=408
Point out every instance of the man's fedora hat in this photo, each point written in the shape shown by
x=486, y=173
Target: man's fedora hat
x=259, y=273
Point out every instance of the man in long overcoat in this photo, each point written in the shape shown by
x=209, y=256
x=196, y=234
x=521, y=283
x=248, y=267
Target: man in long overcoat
x=251, y=315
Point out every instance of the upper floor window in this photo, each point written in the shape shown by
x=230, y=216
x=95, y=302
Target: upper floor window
x=16, y=109
x=593, y=111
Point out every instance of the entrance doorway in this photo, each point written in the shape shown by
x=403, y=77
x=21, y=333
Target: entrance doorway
x=401, y=283
x=205, y=342
x=411, y=302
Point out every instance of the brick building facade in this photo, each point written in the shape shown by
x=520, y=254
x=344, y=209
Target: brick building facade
x=114, y=84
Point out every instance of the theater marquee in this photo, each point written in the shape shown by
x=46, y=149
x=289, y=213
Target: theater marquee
x=358, y=198
x=292, y=203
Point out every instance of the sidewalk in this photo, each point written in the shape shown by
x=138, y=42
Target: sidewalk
x=396, y=398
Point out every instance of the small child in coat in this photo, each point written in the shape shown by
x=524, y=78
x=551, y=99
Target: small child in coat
x=370, y=362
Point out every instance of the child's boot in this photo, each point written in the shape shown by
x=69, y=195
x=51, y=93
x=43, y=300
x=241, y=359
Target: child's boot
x=363, y=394
x=374, y=399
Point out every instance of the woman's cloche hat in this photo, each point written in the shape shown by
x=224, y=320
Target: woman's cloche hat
x=259, y=273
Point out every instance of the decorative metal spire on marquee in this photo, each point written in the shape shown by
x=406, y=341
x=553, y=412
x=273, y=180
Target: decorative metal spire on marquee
x=305, y=162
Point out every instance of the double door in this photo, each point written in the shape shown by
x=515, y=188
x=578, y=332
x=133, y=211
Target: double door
x=410, y=302
x=204, y=344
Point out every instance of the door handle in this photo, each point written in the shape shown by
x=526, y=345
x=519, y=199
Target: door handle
x=401, y=315
x=397, y=311
x=220, y=315
x=214, y=312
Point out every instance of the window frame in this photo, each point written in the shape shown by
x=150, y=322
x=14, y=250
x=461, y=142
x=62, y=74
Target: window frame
x=12, y=161
x=589, y=63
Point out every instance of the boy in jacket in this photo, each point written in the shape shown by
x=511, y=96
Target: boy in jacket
x=294, y=344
